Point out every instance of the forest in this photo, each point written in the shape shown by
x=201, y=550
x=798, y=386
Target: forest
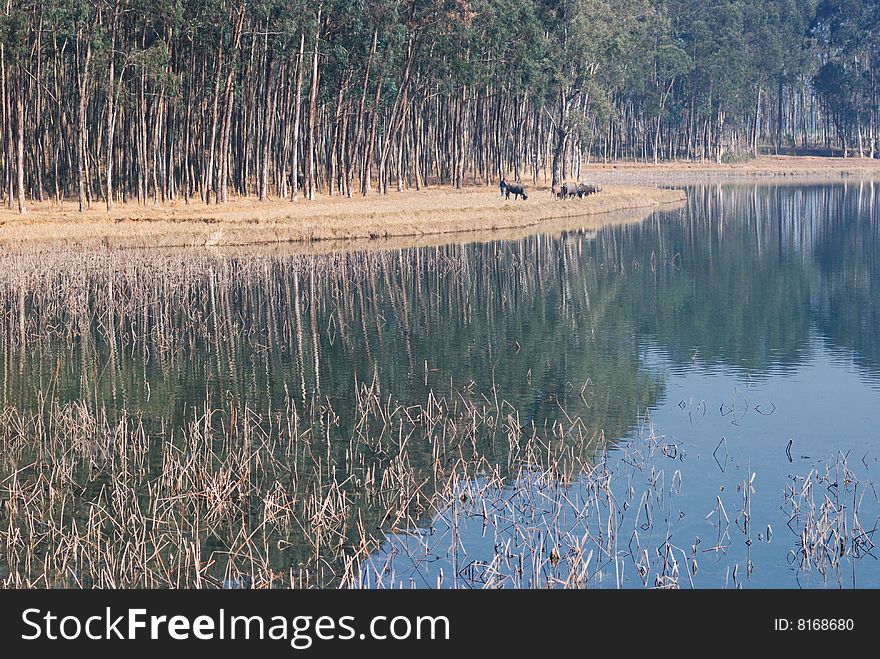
x=151, y=101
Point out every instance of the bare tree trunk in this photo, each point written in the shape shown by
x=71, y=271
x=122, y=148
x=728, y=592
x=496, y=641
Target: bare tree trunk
x=334, y=144
x=83, y=82
x=371, y=143
x=228, y=101
x=208, y=181
x=268, y=115
x=396, y=111
x=7, y=126
x=111, y=109
x=560, y=134
x=19, y=140
x=756, y=125
x=313, y=111
x=356, y=144
x=294, y=173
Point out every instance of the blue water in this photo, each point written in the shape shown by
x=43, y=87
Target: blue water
x=763, y=336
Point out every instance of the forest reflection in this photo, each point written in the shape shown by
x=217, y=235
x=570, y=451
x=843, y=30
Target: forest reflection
x=181, y=350
x=736, y=279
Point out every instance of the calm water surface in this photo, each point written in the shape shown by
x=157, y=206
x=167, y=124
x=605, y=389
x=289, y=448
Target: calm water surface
x=741, y=332
x=752, y=321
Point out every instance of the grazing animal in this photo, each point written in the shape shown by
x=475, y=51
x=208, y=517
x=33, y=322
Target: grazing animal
x=586, y=188
x=515, y=189
x=300, y=180
x=567, y=190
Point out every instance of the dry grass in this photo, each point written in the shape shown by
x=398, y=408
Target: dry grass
x=411, y=214
x=298, y=493
x=825, y=514
x=439, y=211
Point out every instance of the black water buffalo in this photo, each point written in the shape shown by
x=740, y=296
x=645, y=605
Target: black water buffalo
x=300, y=180
x=586, y=188
x=566, y=190
x=515, y=189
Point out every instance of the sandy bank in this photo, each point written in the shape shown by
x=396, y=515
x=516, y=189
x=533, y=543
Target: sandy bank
x=409, y=215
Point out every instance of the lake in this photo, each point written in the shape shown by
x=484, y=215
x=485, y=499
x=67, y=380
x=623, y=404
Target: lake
x=688, y=401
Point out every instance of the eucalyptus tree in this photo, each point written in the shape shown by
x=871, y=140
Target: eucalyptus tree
x=14, y=47
x=591, y=45
x=848, y=50
x=156, y=100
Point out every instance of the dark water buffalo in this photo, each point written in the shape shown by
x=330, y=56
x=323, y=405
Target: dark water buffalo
x=586, y=188
x=300, y=180
x=515, y=189
x=567, y=190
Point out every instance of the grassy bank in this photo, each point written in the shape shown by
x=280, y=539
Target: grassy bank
x=410, y=214
x=430, y=216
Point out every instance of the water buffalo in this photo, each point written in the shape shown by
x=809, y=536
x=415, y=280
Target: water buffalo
x=300, y=180
x=566, y=190
x=586, y=188
x=515, y=189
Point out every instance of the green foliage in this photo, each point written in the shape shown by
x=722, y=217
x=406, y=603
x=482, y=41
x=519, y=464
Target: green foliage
x=848, y=44
x=693, y=78
x=662, y=54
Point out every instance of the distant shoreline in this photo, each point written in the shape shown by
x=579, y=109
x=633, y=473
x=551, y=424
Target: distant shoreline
x=778, y=169
x=430, y=212
x=431, y=216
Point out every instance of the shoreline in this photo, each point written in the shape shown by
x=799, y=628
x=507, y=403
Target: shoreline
x=778, y=170
x=431, y=216
x=437, y=214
